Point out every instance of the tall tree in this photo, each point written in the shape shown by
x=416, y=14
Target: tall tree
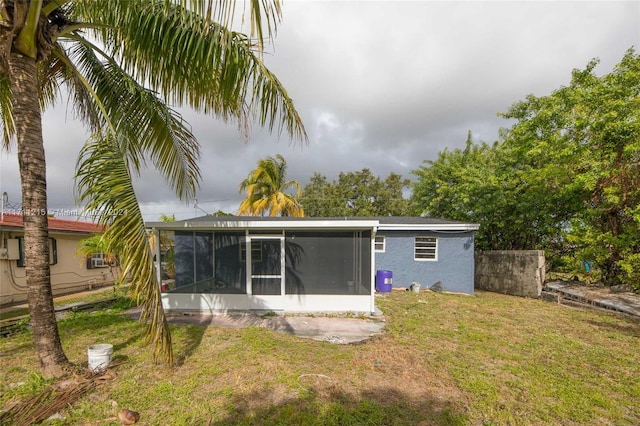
x=320, y=198
x=564, y=178
x=589, y=131
x=357, y=193
x=461, y=184
x=265, y=187
x=149, y=53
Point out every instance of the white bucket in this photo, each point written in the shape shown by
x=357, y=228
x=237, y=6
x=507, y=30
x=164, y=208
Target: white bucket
x=415, y=287
x=99, y=356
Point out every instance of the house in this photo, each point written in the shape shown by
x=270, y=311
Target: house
x=310, y=264
x=70, y=271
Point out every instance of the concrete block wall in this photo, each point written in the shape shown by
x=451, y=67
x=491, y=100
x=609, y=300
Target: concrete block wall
x=514, y=272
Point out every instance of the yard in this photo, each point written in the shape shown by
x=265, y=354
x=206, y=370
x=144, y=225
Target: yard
x=443, y=360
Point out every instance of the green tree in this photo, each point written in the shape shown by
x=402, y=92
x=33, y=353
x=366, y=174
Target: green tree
x=589, y=132
x=220, y=213
x=356, y=194
x=265, y=187
x=151, y=53
x=462, y=184
x=167, y=218
x=518, y=206
x=564, y=178
x=320, y=198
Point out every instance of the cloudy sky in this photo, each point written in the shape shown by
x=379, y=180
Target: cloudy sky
x=381, y=84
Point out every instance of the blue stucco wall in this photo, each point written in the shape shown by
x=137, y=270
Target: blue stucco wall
x=454, y=268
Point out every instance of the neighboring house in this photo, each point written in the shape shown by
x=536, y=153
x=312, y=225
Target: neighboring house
x=70, y=271
x=311, y=264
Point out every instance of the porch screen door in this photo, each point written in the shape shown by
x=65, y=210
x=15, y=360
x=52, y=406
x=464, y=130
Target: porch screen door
x=266, y=265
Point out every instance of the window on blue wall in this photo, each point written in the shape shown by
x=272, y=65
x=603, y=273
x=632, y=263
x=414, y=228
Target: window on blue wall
x=426, y=248
x=379, y=243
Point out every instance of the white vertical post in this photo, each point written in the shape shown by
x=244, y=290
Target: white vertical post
x=247, y=257
x=372, y=278
x=156, y=233
x=283, y=255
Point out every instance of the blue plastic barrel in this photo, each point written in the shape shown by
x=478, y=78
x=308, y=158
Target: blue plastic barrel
x=384, y=281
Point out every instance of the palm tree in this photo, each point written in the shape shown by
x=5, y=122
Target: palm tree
x=122, y=62
x=265, y=187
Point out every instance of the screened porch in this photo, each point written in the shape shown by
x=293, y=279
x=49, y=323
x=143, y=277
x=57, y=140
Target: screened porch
x=278, y=263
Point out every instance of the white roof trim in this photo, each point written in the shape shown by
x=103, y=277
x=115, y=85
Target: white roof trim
x=219, y=223
x=430, y=227
x=252, y=224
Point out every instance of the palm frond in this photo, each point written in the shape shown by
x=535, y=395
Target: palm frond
x=84, y=103
x=48, y=73
x=293, y=184
x=104, y=184
x=189, y=59
x=264, y=14
x=140, y=118
x=92, y=244
x=6, y=112
x=58, y=69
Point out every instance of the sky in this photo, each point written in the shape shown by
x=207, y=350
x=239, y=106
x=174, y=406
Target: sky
x=383, y=85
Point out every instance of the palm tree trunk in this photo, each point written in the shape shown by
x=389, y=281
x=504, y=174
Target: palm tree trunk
x=27, y=115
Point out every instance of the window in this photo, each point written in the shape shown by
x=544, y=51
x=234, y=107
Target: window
x=20, y=261
x=379, y=243
x=53, y=251
x=426, y=248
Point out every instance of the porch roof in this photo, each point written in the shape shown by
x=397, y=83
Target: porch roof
x=391, y=223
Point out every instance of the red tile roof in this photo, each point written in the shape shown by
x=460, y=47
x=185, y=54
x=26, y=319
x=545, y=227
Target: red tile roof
x=15, y=221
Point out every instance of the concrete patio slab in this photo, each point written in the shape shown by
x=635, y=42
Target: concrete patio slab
x=323, y=328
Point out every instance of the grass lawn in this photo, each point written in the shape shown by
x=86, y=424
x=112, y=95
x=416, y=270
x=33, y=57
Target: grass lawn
x=443, y=360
